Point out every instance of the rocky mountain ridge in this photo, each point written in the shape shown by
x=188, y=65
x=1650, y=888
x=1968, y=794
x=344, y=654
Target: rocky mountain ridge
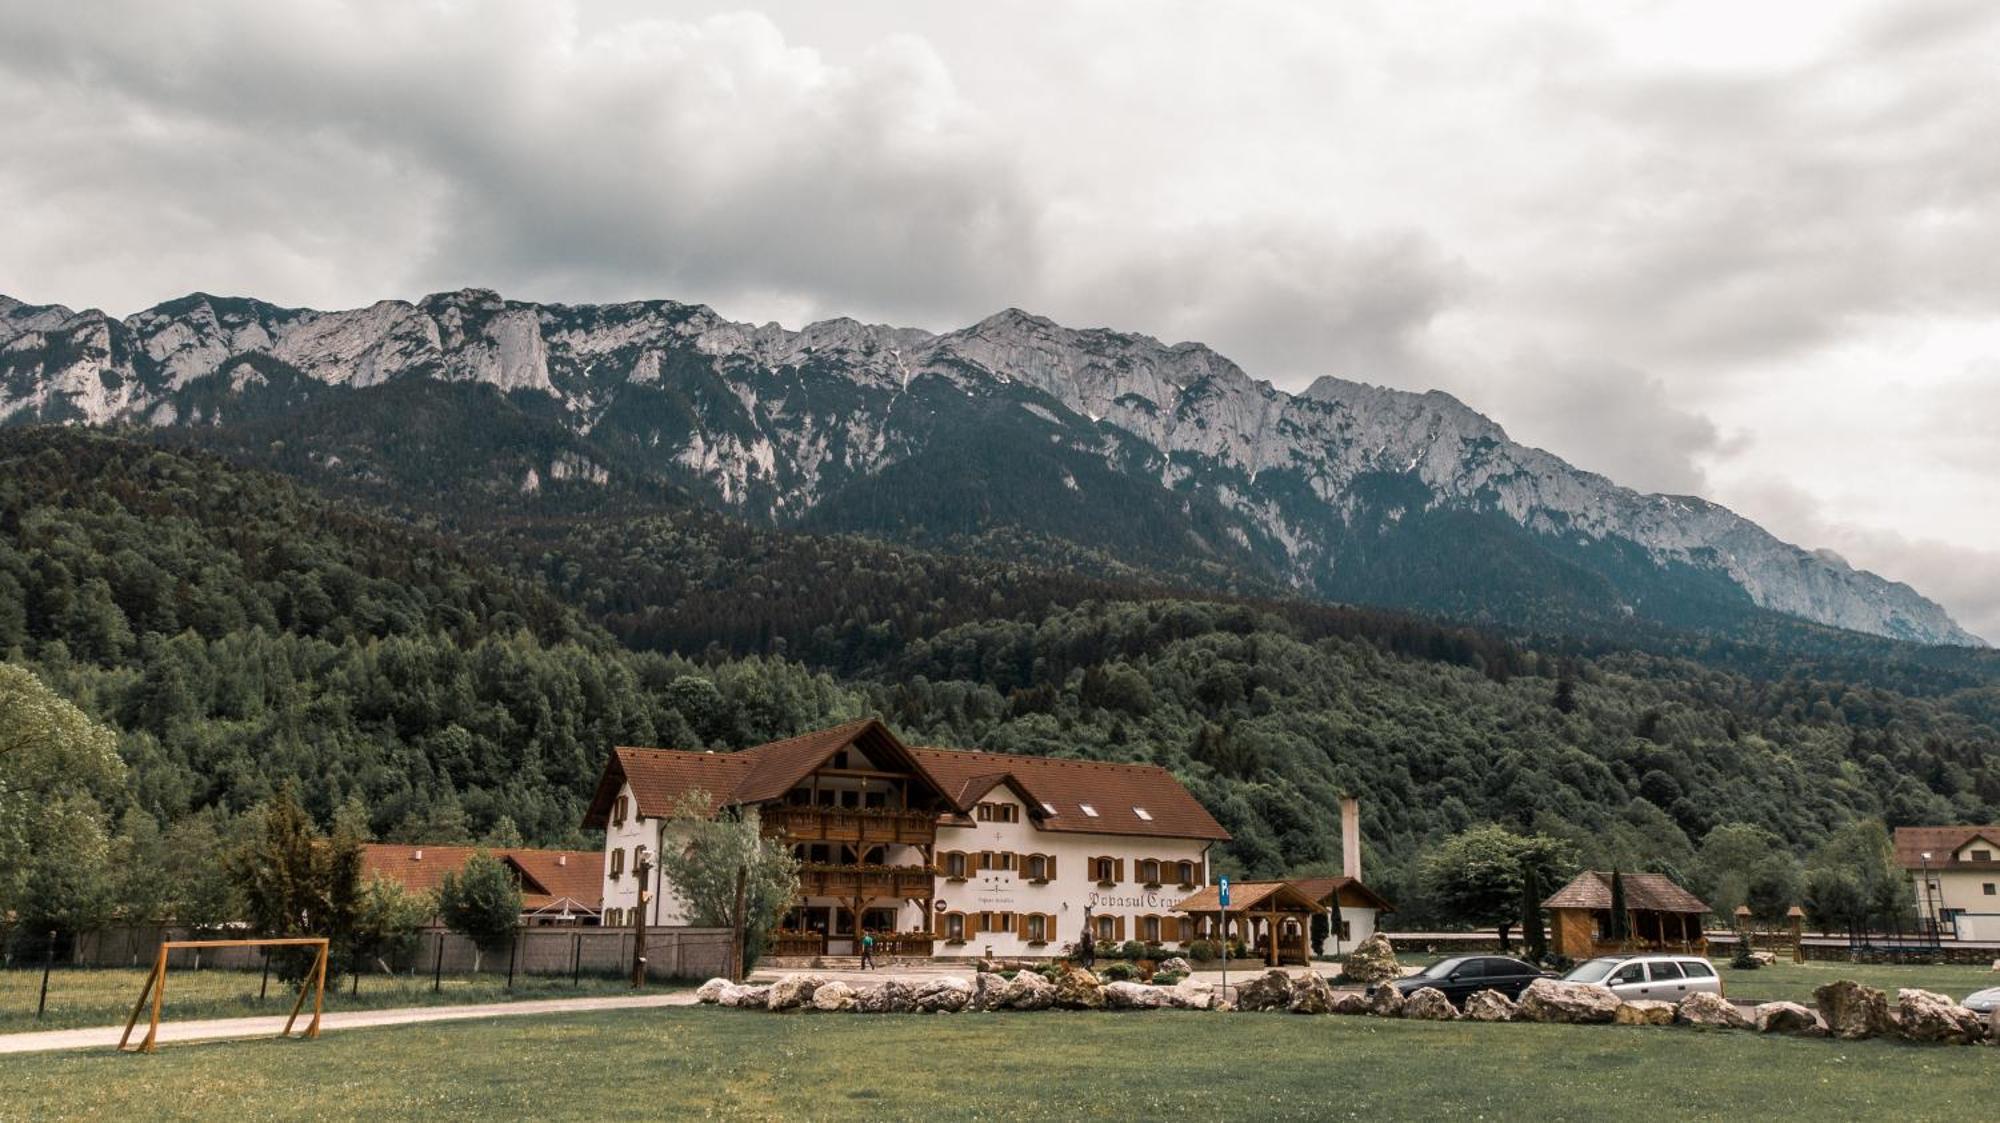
x=1347, y=490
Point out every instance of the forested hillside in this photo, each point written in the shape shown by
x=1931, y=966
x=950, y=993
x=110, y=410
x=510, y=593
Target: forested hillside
x=238, y=628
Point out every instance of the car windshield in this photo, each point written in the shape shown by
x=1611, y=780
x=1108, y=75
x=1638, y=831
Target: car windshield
x=1593, y=971
x=1439, y=969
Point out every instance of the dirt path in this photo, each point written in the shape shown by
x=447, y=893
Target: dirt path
x=214, y=1029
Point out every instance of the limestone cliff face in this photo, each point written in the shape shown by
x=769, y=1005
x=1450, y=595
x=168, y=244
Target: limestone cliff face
x=779, y=424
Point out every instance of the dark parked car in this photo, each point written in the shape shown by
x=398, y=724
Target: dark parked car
x=1459, y=977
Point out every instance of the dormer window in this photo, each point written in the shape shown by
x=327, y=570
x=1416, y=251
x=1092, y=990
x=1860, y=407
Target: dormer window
x=1087, y=809
x=1982, y=855
x=1142, y=813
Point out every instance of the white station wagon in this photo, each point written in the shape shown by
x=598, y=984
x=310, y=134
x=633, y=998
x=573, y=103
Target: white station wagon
x=1668, y=978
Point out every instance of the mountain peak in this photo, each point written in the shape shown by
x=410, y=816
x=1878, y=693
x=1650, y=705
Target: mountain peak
x=1104, y=438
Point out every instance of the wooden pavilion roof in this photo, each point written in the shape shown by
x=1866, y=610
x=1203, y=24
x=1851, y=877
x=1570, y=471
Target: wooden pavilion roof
x=1648, y=892
x=1252, y=896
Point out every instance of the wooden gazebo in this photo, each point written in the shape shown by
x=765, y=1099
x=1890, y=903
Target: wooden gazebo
x=1275, y=917
x=1661, y=916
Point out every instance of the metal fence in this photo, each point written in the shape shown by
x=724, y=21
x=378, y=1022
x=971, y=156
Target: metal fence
x=670, y=952
x=43, y=968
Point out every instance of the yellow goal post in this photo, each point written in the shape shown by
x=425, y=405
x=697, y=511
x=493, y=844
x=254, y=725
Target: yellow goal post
x=156, y=986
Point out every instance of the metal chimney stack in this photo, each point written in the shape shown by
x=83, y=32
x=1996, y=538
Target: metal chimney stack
x=1350, y=837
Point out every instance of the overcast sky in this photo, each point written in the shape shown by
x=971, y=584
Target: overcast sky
x=1750, y=251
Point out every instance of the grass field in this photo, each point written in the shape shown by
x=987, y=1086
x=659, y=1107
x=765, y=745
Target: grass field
x=94, y=997
x=706, y=1062
x=1795, y=981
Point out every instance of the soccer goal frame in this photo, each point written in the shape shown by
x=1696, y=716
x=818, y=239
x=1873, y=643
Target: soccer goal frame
x=156, y=986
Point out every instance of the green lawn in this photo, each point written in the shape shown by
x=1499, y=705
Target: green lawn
x=1795, y=981
x=703, y=1061
x=92, y=997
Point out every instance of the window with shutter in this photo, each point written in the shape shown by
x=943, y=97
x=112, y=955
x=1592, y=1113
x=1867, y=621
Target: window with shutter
x=617, y=863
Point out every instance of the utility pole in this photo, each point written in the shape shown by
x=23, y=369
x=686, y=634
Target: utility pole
x=736, y=931
x=640, y=868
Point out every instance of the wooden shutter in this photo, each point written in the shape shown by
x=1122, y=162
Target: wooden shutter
x=1118, y=926
x=1119, y=870
x=1049, y=871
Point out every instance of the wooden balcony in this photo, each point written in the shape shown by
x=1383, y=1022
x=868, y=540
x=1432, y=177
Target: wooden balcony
x=816, y=880
x=849, y=824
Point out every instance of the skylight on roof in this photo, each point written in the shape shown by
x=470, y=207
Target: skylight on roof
x=1088, y=810
x=1049, y=807
x=1142, y=813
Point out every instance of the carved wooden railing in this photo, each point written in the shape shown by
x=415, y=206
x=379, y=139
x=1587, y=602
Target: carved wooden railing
x=869, y=824
x=818, y=880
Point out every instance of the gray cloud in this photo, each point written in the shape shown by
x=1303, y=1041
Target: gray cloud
x=1285, y=300
x=1614, y=420
x=714, y=158
x=1749, y=213
x=1965, y=580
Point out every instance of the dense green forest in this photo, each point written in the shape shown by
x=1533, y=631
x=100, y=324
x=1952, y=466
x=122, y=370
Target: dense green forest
x=453, y=676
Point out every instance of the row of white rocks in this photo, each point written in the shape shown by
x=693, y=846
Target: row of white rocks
x=1075, y=989
x=1846, y=1010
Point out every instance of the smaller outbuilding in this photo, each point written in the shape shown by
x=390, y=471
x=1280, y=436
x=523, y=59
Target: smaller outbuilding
x=1661, y=916
x=558, y=887
x=1354, y=910
x=1272, y=917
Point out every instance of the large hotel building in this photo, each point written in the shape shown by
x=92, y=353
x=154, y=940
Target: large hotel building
x=936, y=851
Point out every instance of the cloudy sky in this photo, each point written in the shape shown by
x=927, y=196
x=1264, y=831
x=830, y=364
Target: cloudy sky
x=1746, y=251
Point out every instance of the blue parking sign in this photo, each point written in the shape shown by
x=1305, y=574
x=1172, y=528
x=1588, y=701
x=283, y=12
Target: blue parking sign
x=1223, y=883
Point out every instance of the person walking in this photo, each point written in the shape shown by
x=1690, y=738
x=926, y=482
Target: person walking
x=867, y=950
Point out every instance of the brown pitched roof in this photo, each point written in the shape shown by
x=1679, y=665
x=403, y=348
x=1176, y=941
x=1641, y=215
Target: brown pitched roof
x=1116, y=792
x=1245, y=895
x=661, y=776
x=1654, y=892
x=1350, y=892
x=548, y=877
x=1941, y=843
x=754, y=775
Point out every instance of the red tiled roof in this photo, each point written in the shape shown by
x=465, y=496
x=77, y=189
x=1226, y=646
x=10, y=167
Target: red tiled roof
x=1116, y=792
x=661, y=776
x=547, y=876
x=1941, y=843
x=1654, y=892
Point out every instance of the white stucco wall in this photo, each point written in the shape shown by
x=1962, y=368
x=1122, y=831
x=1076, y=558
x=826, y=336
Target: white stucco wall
x=1964, y=891
x=1066, y=896
x=622, y=892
